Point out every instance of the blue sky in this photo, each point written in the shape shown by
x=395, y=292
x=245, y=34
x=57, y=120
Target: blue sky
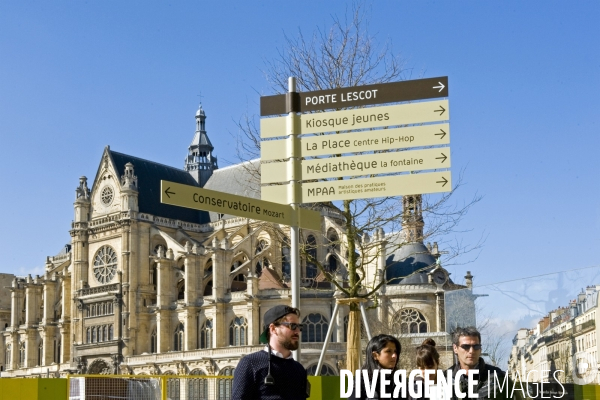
x=523, y=77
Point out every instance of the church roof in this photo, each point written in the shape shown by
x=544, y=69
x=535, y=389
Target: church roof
x=201, y=139
x=241, y=179
x=402, y=264
x=149, y=175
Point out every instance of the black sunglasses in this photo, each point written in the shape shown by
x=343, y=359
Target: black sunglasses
x=467, y=347
x=292, y=325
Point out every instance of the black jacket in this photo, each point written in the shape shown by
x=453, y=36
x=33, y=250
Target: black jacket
x=492, y=382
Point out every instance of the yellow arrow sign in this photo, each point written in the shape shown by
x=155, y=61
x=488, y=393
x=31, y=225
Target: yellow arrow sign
x=381, y=139
x=369, y=164
x=177, y=194
x=360, y=118
x=349, y=189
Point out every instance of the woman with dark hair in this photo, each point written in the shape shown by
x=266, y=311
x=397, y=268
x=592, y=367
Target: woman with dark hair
x=382, y=352
x=428, y=358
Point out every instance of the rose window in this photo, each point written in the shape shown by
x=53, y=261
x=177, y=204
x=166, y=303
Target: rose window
x=105, y=264
x=107, y=195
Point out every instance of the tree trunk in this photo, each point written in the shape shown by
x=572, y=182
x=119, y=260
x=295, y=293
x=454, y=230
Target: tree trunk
x=353, y=348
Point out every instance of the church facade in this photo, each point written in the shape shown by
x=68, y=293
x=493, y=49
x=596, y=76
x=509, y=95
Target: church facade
x=149, y=288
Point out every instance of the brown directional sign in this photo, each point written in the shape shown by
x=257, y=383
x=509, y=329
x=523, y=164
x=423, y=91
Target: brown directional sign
x=417, y=89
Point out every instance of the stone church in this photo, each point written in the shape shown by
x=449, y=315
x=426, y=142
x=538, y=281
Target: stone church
x=149, y=288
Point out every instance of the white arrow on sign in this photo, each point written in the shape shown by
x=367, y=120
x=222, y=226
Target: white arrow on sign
x=441, y=87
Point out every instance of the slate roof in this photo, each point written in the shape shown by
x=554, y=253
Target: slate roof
x=149, y=175
x=405, y=261
x=239, y=179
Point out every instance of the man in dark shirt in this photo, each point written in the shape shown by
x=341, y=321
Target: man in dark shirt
x=273, y=374
x=492, y=382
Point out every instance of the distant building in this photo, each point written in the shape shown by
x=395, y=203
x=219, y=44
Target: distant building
x=563, y=335
x=149, y=288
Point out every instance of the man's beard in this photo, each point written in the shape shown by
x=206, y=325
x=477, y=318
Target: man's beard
x=289, y=345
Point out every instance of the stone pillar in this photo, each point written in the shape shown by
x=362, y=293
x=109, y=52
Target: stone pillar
x=163, y=330
x=221, y=268
x=32, y=303
x=165, y=289
x=254, y=325
x=191, y=329
x=221, y=328
x=192, y=268
x=16, y=304
x=65, y=346
x=49, y=300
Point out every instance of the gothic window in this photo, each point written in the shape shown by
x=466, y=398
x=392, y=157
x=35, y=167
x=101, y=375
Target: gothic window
x=326, y=370
x=94, y=335
x=105, y=332
x=332, y=263
x=105, y=264
x=224, y=388
x=178, y=338
x=110, y=307
x=93, y=312
x=197, y=388
x=238, y=332
x=153, y=275
x=315, y=328
x=88, y=335
x=100, y=334
x=208, y=289
x=181, y=290
x=153, y=341
x=239, y=283
x=173, y=389
x=22, y=354
x=107, y=195
x=40, y=354
x=262, y=262
x=206, y=335
x=410, y=320
x=333, y=241
x=311, y=250
x=57, y=355
x=7, y=356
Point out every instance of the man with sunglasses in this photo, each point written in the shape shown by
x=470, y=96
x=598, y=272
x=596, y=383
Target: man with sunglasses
x=466, y=343
x=273, y=374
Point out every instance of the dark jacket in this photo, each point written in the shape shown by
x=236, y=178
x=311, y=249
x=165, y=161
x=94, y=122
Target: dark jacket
x=492, y=382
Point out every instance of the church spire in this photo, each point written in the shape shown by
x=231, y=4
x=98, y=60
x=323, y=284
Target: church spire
x=200, y=162
x=412, y=218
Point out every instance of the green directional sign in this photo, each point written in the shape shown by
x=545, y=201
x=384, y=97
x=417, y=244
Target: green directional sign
x=177, y=194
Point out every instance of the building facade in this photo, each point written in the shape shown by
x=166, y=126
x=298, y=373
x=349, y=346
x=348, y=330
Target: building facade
x=564, y=340
x=149, y=288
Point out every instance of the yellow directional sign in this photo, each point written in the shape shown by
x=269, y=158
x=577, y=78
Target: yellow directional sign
x=360, y=118
x=373, y=140
x=385, y=186
x=196, y=198
x=369, y=164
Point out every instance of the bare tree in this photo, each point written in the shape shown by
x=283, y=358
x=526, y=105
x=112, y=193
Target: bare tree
x=347, y=55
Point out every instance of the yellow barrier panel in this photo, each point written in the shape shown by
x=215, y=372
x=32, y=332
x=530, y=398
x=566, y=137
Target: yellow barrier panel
x=149, y=387
x=33, y=388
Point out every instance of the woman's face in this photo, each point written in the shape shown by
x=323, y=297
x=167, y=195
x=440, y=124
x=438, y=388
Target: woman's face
x=388, y=357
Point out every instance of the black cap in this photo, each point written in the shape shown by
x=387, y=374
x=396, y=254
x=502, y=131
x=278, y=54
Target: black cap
x=273, y=315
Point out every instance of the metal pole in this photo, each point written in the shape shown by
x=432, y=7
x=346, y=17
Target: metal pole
x=326, y=344
x=295, y=231
x=364, y=315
